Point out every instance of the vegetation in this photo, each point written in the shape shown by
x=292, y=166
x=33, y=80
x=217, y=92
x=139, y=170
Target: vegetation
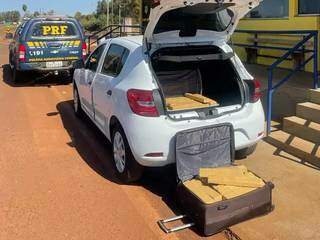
x=108, y=12
x=10, y=16
x=14, y=16
x=24, y=8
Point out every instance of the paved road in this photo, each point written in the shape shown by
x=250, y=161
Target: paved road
x=56, y=177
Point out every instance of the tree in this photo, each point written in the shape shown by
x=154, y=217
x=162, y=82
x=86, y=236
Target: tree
x=102, y=7
x=24, y=8
x=99, y=19
x=78, y=16
x=15, y=16
x=36, y=14
x=128, y=8
x=10, y=16
x=51, y=12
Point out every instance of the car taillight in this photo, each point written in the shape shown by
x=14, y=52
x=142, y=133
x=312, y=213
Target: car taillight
x=142, y=103
x=255, y=90
x=22, y=53
x=84, y=50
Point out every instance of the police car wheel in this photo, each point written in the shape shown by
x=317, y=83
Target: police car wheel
x=10, y=62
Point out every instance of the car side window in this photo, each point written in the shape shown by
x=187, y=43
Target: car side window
x=20, y=29
x=92, y=62
x=115, y=60
x=18, y=32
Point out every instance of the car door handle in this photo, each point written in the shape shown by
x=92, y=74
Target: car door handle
x=109, y=93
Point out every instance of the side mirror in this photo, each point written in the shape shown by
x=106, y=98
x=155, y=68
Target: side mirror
x=79, y=64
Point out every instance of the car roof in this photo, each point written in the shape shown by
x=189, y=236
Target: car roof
x=132, y=39
x=53, y=18
x=136, y=39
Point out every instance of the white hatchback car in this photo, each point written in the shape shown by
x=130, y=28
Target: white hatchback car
x=141, y=91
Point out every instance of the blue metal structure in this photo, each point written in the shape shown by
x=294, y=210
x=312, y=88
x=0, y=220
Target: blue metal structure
x=298, y=48
x=113, y=31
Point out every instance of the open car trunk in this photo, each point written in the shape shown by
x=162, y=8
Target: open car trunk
x=197, y=78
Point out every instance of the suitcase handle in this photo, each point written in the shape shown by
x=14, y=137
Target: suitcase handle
x=162, y=224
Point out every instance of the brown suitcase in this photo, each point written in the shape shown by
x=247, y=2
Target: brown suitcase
x=212, y=147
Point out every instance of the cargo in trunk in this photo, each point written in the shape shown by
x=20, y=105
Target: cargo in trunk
x=197, y=77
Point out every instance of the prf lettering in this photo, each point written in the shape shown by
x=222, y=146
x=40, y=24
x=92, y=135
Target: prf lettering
x=54, y=30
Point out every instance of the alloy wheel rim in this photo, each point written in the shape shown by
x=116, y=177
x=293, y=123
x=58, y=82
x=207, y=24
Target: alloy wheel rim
x=119, y=152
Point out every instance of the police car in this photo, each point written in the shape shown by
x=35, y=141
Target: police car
x=48, y=44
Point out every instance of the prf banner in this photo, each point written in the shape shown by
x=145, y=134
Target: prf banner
x=54, y=30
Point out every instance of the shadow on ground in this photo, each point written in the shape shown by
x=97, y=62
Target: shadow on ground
x=281, y=152
x=96, y=151
x=33, y=79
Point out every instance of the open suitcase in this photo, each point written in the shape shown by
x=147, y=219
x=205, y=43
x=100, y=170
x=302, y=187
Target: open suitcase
x=213, y=147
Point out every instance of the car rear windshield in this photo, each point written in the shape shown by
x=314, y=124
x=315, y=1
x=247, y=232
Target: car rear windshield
x=53, y=30
x=190, y=19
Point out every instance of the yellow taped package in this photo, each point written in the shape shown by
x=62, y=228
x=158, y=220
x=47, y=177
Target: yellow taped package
x=229, y=192
x=223, y=171
x=218, y=184
x=189, y=101
x=205, y=193
x=183, y=103
x=237, y=176
x=248, y=180
x=201, y=99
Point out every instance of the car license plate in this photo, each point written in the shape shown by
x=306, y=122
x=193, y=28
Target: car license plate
x=54, y=64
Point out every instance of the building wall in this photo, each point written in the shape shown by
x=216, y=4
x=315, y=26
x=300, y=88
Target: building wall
x=294, y=22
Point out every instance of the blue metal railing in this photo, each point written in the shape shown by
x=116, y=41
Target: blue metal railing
x=298, y=48
x=113, y=31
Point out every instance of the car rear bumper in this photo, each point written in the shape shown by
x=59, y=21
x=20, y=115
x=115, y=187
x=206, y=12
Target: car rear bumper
x=157, y=135
x=41, y=67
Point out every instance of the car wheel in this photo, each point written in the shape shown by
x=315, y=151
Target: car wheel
x=10, y=62
x=68, y=77
x=16, y=75
x=127, y=168
x=76, y=103
x=244, y=153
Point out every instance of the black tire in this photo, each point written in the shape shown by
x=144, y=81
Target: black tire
x=16, y=75
x=68, y=77
x=132, y=171
x=76, y=103
x=10, y=62
x=244, y=153
x=71, y=73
